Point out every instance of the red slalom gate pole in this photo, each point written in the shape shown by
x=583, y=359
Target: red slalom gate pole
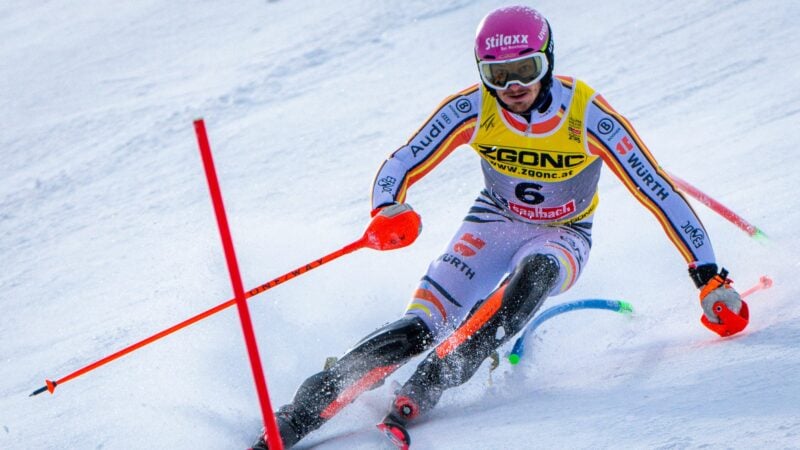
x=273, y=435
x=719, y=208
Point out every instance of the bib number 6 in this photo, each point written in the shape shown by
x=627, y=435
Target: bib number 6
x=529, y=193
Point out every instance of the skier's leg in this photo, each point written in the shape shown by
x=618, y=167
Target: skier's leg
x=467, y=271
x=364, y=367
x=471, y=266
x=498, y=318
x=560, y=255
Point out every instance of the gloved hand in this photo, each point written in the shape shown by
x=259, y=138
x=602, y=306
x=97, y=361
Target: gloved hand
x=724, y=311
x=393, y=226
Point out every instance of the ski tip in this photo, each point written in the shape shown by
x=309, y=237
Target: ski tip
x=513, y=358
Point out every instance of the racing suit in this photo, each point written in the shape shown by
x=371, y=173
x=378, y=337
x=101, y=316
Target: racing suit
x=526, y=237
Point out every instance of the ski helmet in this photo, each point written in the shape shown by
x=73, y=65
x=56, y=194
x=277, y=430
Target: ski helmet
x=511, y=33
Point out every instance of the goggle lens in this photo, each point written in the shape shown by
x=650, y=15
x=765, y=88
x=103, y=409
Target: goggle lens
x=525, y=70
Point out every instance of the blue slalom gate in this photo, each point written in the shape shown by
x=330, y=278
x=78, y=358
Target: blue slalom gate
x=518, y=350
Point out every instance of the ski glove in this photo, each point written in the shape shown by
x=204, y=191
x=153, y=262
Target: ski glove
x=724, y=311
x=393, y=226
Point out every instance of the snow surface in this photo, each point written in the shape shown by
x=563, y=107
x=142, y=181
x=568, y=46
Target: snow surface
x=107, y=233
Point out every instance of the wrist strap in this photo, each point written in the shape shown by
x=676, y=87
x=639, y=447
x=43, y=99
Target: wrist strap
x=703, y=273
x=718, y=280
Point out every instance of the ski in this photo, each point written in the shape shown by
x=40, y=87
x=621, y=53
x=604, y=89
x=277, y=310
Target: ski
x=396, y=432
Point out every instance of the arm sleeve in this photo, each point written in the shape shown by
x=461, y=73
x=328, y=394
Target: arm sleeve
x=451, y=125
x=612, y=137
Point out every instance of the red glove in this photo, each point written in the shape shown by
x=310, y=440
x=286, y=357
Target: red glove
x=724, y=311
x=393, y=226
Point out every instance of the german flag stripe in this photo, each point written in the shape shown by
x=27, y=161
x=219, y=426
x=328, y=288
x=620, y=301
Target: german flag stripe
x=421, y=307
x=596, y=146
x=550, y=124
x=430, y=297
x=638, y=140
x=538, y=128
x=517, y=125
x=569, y=82
x=441, y=290
x=626, y=125
x=601, y=101
x=645, y=152
x=571, y=266
x=441, y=106
x=459, y=136
x=615, y=165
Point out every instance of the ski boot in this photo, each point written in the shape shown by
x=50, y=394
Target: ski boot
x=289, y=436
x=395, y=430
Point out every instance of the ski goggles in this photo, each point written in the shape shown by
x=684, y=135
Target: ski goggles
x=525, y=70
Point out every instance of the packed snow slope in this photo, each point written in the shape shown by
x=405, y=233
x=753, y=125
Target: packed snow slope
x=108, y=235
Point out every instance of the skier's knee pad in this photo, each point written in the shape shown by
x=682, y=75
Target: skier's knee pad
x=541, y=269
x=390, y=345
x=387, y=347
x=529, y=285
x=393, y=343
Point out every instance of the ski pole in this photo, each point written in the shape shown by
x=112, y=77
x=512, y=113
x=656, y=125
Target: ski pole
x=719, y=208
x=619, y=306
x=764, y=282
x=395, y=227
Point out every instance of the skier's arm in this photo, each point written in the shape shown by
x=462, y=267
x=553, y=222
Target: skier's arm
x=451, y=125
x=612, y=137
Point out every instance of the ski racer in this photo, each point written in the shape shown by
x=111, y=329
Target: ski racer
x=542, y=141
